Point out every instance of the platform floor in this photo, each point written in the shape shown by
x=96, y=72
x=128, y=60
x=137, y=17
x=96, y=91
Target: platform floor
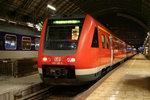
x=10, y=86
x=131, y=81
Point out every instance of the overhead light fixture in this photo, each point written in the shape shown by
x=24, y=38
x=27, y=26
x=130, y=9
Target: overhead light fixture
x=12, y=22
x=1, y=19
x=51, y=7
x=37, y=27
x=30, y=24
x=146, y=38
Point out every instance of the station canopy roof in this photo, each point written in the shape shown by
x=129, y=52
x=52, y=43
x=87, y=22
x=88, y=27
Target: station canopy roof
x=128, y=19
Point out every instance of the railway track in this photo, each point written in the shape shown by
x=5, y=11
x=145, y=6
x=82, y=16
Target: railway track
x=77, y=92
x=39, y=95
x=56, y=93
x=68, y=92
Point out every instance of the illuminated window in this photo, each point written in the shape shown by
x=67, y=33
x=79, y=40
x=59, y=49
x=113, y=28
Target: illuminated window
x=75, y=33
x=95, y=39
x=63, y=34
x=10, y=42
x=103, y=40
x=26, y=43
x=107, y=42
x=37, y=42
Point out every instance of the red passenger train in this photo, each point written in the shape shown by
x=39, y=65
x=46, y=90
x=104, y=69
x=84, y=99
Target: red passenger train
x=77, y=49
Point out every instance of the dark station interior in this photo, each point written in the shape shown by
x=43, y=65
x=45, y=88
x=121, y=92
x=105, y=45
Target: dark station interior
x=21, y=34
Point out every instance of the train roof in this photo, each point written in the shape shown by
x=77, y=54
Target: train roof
x=18, y=30
x=80, y=16
x=105, y=29
x=65, y=16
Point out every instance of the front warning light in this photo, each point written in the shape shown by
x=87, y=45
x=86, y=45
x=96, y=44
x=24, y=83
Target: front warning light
x=71, y=60
x=44, y=59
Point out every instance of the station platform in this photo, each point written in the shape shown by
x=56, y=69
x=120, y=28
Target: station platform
x=129, y=81
x=11, y=87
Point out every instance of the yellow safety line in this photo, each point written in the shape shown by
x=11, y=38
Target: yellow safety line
x=108, y=32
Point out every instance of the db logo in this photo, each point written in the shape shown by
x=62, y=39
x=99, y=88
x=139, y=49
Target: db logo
x=57, y=59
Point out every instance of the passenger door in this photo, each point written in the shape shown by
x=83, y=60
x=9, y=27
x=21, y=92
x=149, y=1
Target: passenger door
x=111, y=43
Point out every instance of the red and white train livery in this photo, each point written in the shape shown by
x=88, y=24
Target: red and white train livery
x=76, y=49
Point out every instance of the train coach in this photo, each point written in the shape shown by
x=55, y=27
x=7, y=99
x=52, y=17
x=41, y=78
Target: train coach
x=18, y=50
x=16, y=43
x=76, y=50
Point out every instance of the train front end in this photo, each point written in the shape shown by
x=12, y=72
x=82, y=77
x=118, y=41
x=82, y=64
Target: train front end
x=58, y=49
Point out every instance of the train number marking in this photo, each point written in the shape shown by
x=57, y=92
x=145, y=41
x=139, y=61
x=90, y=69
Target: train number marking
x=57, y=59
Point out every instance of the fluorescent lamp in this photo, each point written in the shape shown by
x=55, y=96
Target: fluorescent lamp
x=1, y=19
x=12, y=22
x=51, y=7
x=30, y=24
x=38, y=27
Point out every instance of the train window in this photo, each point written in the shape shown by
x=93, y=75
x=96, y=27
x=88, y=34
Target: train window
x=37, y=42
x=26, y=43
x=103, y=40
x=10, y=42
x=120, y=46
x=116, y=47
x=107, y=42
x=95, y=39
x=63, y=34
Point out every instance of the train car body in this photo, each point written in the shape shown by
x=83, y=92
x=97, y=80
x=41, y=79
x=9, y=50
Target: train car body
x=15, y=44
x=130, y=51
x=76, y=50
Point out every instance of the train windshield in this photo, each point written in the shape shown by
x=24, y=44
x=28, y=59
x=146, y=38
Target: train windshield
x=63, y=34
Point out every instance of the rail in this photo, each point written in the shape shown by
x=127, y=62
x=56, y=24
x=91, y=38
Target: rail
x=37, y=95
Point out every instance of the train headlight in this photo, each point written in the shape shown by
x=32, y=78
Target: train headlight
x=44, y=59
x=71, y=60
